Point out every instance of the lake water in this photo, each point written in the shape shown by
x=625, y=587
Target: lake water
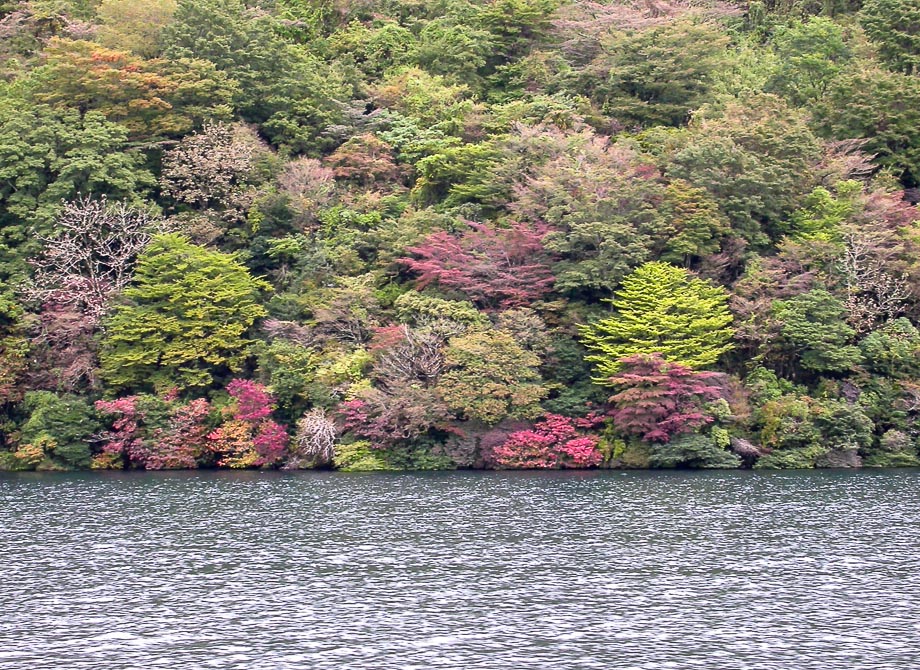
x=463, y=570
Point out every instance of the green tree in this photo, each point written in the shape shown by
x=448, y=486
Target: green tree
x=659, y=76
x=810, y=55
x=57, y=431
x=894, y=26
x=661, y=309
x=49, y=156
x=185, y=321
x=753, y=157
x=134, y=24
x=491, y=377
x=881, y=107
x=814, y=325
x=283, y=87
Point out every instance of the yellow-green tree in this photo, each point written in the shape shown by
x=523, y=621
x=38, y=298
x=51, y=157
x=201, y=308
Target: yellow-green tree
x=661, y=309
x=185, y=321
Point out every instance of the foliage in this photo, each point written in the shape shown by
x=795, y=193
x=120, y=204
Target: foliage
x=554, y=442
x=692, y=451
x=495, y=268
x=249, y=437
x=661, y=309
x=428, y=235
x=187, y=318
x=490, y=377
x=814, y=324
x=657, y=400
x=56, y=435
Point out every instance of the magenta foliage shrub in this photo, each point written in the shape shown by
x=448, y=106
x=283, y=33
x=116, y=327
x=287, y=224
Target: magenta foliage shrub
x=658, y=400
x=124, y=440
x=249, y=437
x=554, y=442
x=253, y=401
x=495, y=267
x=153, y=433
x=184, y=440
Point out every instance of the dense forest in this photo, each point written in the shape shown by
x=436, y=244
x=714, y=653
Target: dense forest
x=427, y=234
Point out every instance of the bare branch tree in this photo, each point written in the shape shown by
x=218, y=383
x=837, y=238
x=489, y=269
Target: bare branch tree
x=874, y=295
x=314, y=442
x=414, y=355
x=92, y=256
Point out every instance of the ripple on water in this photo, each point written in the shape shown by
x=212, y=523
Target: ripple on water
x=624, y=571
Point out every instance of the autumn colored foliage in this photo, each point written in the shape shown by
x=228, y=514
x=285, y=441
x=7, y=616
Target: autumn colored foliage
x=553, y=442
x=494, y=267
x=657, y=400
x=392, y=235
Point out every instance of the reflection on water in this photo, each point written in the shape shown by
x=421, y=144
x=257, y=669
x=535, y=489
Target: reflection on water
x=733, y=570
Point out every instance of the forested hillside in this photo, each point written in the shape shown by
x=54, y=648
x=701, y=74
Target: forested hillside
x=408, y=234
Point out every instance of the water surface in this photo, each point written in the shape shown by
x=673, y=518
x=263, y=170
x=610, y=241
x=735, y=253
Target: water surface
x=505, y=571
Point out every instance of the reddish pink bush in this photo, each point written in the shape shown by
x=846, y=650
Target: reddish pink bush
x=253, y=402
x=554, y=442
x=153, y=433
x=249, y=437
x=184, y=440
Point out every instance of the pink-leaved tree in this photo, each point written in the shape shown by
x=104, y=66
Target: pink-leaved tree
x=497, y=268
x=657, y=400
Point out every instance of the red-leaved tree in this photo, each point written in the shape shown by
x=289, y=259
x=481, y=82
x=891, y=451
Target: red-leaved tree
x=498, y=268
x=657, y=400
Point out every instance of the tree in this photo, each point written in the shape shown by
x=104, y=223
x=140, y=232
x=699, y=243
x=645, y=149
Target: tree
x=814, y=324
x=64, y=349
x=490, y=377
x=811, y=54
x=894, y=26
x=658, y=76
x=879, y=106
x=154, y=433
x=399, y=417
x=58, y=430
x=213, y=169
x=692, y=451
x=603, y=200
x=134, y=24
x=149, y=98
x=314, y=441
x=283, y=87
x=14, y=350
x=185, y=321
x=49, y=156
x=750, y=155
x=91, y=257
x=657, y=400
x=894, y=350
x=495, y=267
x=249, y=437
x=661, y=309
